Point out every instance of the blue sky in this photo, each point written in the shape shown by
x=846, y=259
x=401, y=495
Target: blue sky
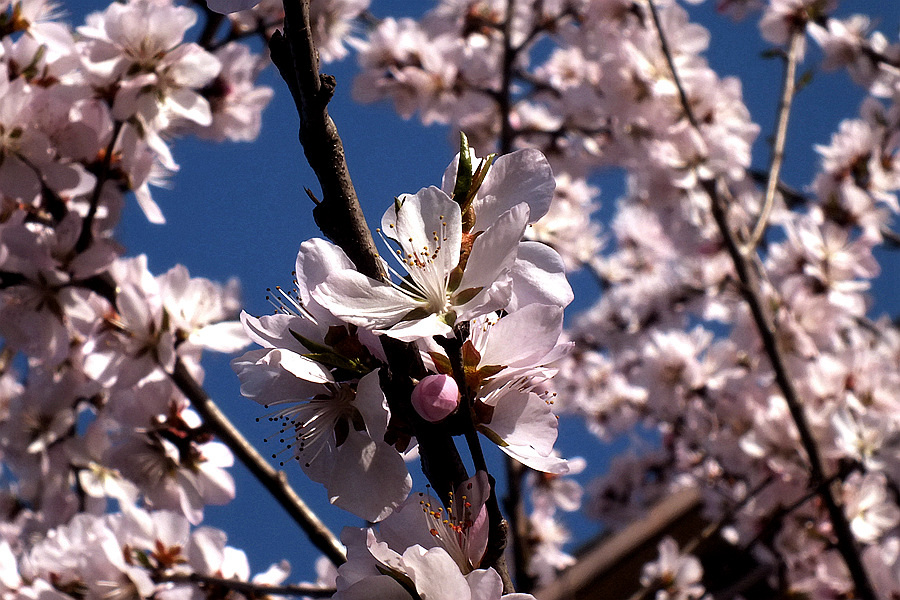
x=240, y=210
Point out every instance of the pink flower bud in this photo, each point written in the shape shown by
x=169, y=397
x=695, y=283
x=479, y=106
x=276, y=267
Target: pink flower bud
x=435, y=397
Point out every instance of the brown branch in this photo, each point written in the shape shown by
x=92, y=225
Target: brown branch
x=795, y=198
x=753, y=296
x=498, y=532
x=274, y=481
x=777, y=519
x=253, y=590
x=784, y=110
x=513, y=502
x=339, y=215
x=499, y=528
x=87, y=227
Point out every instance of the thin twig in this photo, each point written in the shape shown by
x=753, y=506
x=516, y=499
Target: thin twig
x=788, y=90
x=498, y=528
x=274, y=481
x=795, y=198
x=891, y=237
x=7, y=355
x=87, y=227
x=752, y=293
x=766, y=531
x=253, y=590
x=213, y=21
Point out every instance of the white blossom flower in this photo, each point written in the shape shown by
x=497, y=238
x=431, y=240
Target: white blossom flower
x=439, y=290
x=678, y=574
x=434, y=551
x=869, y=507
x=335, y=430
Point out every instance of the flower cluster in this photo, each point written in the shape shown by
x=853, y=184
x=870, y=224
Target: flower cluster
x=672, y=342
x=425, y=549
x=464, y=290
x=735, y=318
x=91, y=419
x=130, y=554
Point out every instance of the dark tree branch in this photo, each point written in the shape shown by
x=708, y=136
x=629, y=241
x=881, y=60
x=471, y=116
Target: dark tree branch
x=209, y=583
x=339, y=215
x=499, y=528
x=505, y=97
x=214, y=20
x=519, y=524
x=513, y=501
x=87, y=227
x=498, y=533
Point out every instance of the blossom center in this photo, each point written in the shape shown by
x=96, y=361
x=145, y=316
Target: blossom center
x=319, y=422
x=451, y=528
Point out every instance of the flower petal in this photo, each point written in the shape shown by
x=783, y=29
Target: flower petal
x=435, y=574
x=369, y=478
x=539, y=277
x=540, y=325
x=495, y=250
x=360, y=300
x=316, y=260
x=265, y=380
x=428, y=224
x=532, y=459
x=522, y=176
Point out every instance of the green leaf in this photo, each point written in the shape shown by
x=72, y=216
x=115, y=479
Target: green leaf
x=441, y=363
x=463, y=171
x=483, y=167
x=143, y=559
x=470, y=354
x=335, y=361
x=415, y=314
x=466, y=295
x=341, y=431
x=309, y=344
x=491, y=435
x=455, y=278
x=356, y=419
x=489, y=371
x=449, y=318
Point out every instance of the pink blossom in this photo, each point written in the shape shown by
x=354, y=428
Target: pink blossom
x=435, y=397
